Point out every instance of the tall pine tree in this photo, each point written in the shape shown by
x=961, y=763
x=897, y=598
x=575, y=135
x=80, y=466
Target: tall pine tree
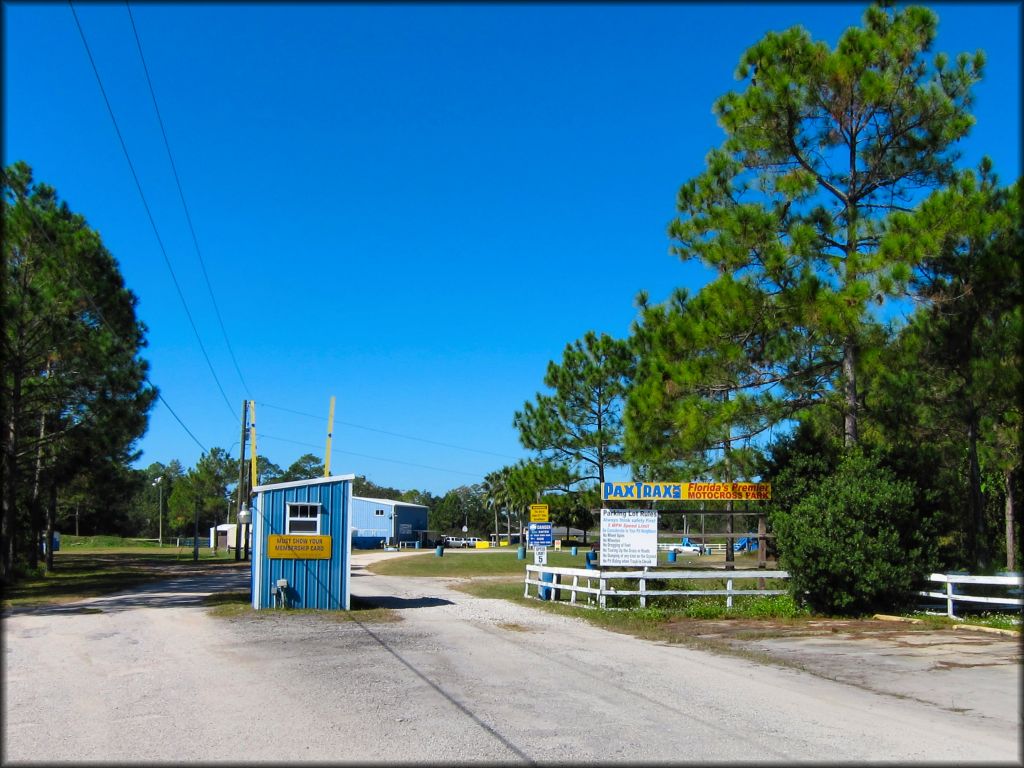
x=822, y=145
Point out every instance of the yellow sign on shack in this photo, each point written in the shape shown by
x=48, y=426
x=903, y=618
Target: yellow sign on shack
x=298, y=547
x=538, y=513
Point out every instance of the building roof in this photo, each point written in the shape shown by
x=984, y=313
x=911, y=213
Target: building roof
x=390, y=502
x=297, y=483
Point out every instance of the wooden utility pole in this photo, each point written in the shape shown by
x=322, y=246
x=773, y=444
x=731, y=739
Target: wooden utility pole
x=241, y=481
x=195, y=533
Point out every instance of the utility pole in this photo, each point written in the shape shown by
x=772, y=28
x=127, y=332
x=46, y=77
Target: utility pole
x=195, y=534
x=159, y=483
x=241, y=482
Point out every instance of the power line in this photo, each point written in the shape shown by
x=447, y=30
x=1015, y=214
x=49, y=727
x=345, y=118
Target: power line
x=393, y=434
x=145, y=205
x=375, y=458
x=181, y=194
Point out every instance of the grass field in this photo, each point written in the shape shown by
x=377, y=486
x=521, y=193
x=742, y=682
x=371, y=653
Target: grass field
x=490, y=562
x=101, y=565
x=94, y=566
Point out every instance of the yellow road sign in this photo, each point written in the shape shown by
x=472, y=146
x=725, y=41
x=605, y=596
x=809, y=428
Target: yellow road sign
x=538, y=513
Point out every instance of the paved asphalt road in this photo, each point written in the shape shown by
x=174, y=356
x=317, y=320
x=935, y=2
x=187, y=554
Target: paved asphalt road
x=150, y=676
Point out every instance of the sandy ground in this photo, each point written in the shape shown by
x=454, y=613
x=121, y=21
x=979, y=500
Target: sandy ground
x=151, y=676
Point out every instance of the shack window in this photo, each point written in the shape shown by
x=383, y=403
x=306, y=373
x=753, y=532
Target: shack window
x=303, y=518
x=379, y=512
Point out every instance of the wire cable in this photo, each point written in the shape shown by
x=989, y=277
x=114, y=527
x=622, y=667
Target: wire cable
x=375, y=458
x=145, y=205
x=184, y=205
x=393, y=434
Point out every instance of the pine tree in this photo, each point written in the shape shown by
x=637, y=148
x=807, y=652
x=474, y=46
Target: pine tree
x=822, y=145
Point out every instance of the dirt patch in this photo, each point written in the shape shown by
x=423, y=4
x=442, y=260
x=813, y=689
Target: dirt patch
x=755, y=629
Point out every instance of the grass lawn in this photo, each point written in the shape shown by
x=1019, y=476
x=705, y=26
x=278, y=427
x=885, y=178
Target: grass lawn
x=92, y=566
x=503, y=561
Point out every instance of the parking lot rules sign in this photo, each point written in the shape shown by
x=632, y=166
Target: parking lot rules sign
x=629, y=537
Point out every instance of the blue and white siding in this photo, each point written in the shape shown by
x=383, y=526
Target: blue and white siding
x=323, y=584
x=375, y=521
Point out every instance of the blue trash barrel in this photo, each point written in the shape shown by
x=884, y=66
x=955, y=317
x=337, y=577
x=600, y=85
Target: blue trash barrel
x=592, y=560
x=439, y=551
x=671, y=555
x=419, y=545
x=544, y=593
x=521, y=553
x=574, y=551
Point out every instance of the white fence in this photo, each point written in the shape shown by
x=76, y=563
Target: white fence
x=952, y=595
x=605, y=580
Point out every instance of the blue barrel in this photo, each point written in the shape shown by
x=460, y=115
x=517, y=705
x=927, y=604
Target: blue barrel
x=544, y=593
x=671, y=555
x=592, y=560
x=521, y=553
x=419, y=545
x=439, y=551
x=574, y=551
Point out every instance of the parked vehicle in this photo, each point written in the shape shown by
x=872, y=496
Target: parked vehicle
x=454, y=542
x=471, y=542
x=687, y=547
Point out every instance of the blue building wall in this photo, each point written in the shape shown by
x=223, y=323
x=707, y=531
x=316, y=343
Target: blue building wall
x=398, y=521
x=323, y=584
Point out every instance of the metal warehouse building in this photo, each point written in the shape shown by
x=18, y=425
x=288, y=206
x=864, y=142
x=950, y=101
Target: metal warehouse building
x=301, y=543
x=386, y=521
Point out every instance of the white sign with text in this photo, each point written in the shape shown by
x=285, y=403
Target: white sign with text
x=629, y=537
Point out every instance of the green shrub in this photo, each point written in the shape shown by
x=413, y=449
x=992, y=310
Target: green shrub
x=855, y=543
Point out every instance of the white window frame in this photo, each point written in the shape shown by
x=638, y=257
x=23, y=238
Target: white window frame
x=304, y=506
x=378, y=512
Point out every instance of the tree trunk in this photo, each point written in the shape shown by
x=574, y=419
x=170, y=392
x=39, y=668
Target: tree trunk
x=51, y=516
x=979, y=549
x=1011, y=528
x=850, y=393
x=35, y=504
x=8, y=532
x=730, y=555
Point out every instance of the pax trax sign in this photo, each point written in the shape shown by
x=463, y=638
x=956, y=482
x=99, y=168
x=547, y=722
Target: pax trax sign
x=687, y=491
x=538, y=513
x=539, y=534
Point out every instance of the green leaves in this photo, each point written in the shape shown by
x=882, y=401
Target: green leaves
x=74, y=395
x=821, y=147
x=854, y=542
x=580, y=423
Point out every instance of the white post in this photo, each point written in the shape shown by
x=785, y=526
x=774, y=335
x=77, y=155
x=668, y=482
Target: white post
x=949, y=598
x=643, y=590
x=526, y=582
x=728, y=593
x=600, y=592
x=575, y=583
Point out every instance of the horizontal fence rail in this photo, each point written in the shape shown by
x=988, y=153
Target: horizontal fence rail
x=605, y=588
x=954, y=594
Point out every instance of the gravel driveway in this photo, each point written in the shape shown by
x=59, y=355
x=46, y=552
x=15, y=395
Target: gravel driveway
x=150, y=676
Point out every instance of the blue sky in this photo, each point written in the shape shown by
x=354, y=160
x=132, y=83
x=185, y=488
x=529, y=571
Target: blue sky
x=411, y=208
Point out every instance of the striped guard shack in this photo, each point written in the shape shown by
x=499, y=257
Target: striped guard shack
x=301, y=540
